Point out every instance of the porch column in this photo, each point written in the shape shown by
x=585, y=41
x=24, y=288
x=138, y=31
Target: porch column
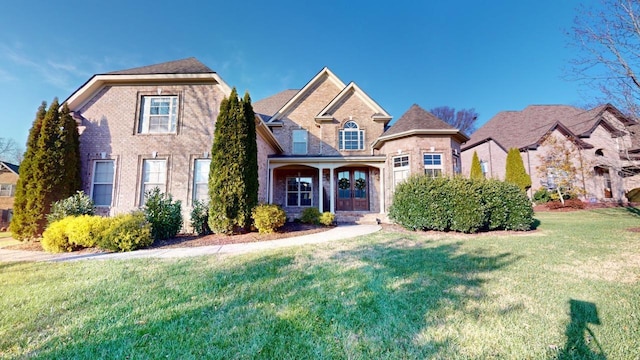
x=270, y=180
x=382, y=190
x=320, y=195
x=332, y=194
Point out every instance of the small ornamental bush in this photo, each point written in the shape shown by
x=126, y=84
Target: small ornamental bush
x=541, y=196
x=310, y=215
x=78, y=204
x=268, y=218
x=55, y=238
x=126, y=232
x=164, y=215
x=84, y=230
x=458, y=204
x=327, y=218
x=200, y=218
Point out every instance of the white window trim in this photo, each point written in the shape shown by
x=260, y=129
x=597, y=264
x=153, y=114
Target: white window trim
x=342, y=139
x=145, y=116
x=161, y=185
x=94, y=183
x=10, y=190
x=299, y=191
x=195, y=183
x=404, y=169
x=431, y=166
x=294, y=142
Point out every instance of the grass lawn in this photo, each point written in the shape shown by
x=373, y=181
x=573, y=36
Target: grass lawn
x=6, y=240
x=570, y=290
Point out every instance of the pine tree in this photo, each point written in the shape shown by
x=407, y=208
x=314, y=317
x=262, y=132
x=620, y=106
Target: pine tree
x=22, y=227
x=233, y=176
x=515, y=172
x=52, y=169
x=476, y=168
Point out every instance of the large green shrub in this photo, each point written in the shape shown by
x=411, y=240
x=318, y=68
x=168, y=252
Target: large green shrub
x=310, y=215
x=164, y=215
x=200, y=218
x=75, y=205
x=126, y=232
x=458, y=204
x=267, y=218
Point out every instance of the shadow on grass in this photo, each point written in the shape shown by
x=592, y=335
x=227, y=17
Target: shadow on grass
x=371, y=301
x=581, y=341
x=536, y=224
x=633, y=210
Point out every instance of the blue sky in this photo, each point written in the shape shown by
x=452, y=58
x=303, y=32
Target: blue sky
x=489, y=55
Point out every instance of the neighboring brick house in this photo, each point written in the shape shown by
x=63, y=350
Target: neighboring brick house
x=149, y=127
x=606, y=147
x=8, y=180
x=337, y=155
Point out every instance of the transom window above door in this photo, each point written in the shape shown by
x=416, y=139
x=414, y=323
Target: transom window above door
x=158, y=114
x=350, y=137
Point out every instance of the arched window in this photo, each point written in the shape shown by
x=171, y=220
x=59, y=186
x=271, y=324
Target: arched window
x=351, y=137
x=599, y=152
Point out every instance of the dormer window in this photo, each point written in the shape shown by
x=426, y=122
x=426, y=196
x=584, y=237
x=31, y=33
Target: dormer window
x=350, y=137
x=158, y=115
x=599, y=152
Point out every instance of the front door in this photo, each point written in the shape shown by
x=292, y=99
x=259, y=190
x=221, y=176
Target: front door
x=353, y=190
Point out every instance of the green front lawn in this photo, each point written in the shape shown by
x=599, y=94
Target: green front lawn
x=571, y=289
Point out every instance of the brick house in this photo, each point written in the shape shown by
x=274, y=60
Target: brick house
x=149, y=127
x=607, y=148
x=327, y=145
x=339, y=154
x=8, y=180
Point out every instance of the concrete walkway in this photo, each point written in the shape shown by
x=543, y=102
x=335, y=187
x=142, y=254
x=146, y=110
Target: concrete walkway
x=337, y=233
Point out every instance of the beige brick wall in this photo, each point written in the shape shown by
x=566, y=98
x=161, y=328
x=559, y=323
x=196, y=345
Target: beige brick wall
x=111, y=128
x=492, y=153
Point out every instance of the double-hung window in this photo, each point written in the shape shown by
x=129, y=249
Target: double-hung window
x=158, y=114
x=7, y=190
x=432, y=164
x=102, y=182
x=400, y=169
x=350, y=137
x=154, y=175
x=201, y=179
x=300, y=142
x=299, y=191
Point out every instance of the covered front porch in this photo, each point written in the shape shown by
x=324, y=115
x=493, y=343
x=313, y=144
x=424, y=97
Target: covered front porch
x=346, y=186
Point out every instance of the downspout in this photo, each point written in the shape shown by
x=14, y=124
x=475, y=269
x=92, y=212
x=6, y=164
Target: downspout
x=529, y=168
x=584, y=183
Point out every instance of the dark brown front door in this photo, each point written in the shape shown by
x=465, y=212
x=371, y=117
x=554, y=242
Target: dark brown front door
x=353, y=190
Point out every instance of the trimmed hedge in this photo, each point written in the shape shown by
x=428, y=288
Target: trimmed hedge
x=126, y=232
x=459, y=204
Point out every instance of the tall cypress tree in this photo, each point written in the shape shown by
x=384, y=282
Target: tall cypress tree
x=515, y=172
x=233, y=173
x=22, y=227
x=52, y=169
x=476, y=168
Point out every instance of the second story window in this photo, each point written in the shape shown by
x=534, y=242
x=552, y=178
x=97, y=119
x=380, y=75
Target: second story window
x=350, y=137
x=300, y=142
x=158, y=115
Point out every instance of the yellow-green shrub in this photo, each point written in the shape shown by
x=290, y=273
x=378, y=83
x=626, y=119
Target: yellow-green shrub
x=126, y=232
x=327, y=218
x=267, y=218
x=310, y=215
x=55, y=238
x=83, y=231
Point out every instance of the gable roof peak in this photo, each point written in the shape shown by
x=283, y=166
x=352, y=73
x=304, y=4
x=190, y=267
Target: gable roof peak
x=189, y=65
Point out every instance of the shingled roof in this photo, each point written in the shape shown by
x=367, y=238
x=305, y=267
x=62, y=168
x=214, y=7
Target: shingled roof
x=10, y=167
x=521, y=129
x=185, y=66
x=267, y=107
x=417, y=118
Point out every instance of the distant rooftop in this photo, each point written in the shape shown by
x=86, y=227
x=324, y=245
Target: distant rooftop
x=185, y=66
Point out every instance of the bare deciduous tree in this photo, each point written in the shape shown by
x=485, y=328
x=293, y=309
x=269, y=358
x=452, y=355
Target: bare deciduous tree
x=463, y=119
x=10, y=151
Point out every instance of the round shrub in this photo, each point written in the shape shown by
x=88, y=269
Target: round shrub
x=84, y=230
x=268, y=218
x=467, y=208
x=126, y=232
x=633, y=195
x=78, y=204
x=310, y=215
x=422, y=203
x=164, y=215
x=327, y=218
x=541, y=196
x=55, y=238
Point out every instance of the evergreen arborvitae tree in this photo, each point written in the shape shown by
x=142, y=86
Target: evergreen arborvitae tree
x=52, y=169
x=22, y=226
x=515, y=172
x=476, y=168
x=233, y=176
